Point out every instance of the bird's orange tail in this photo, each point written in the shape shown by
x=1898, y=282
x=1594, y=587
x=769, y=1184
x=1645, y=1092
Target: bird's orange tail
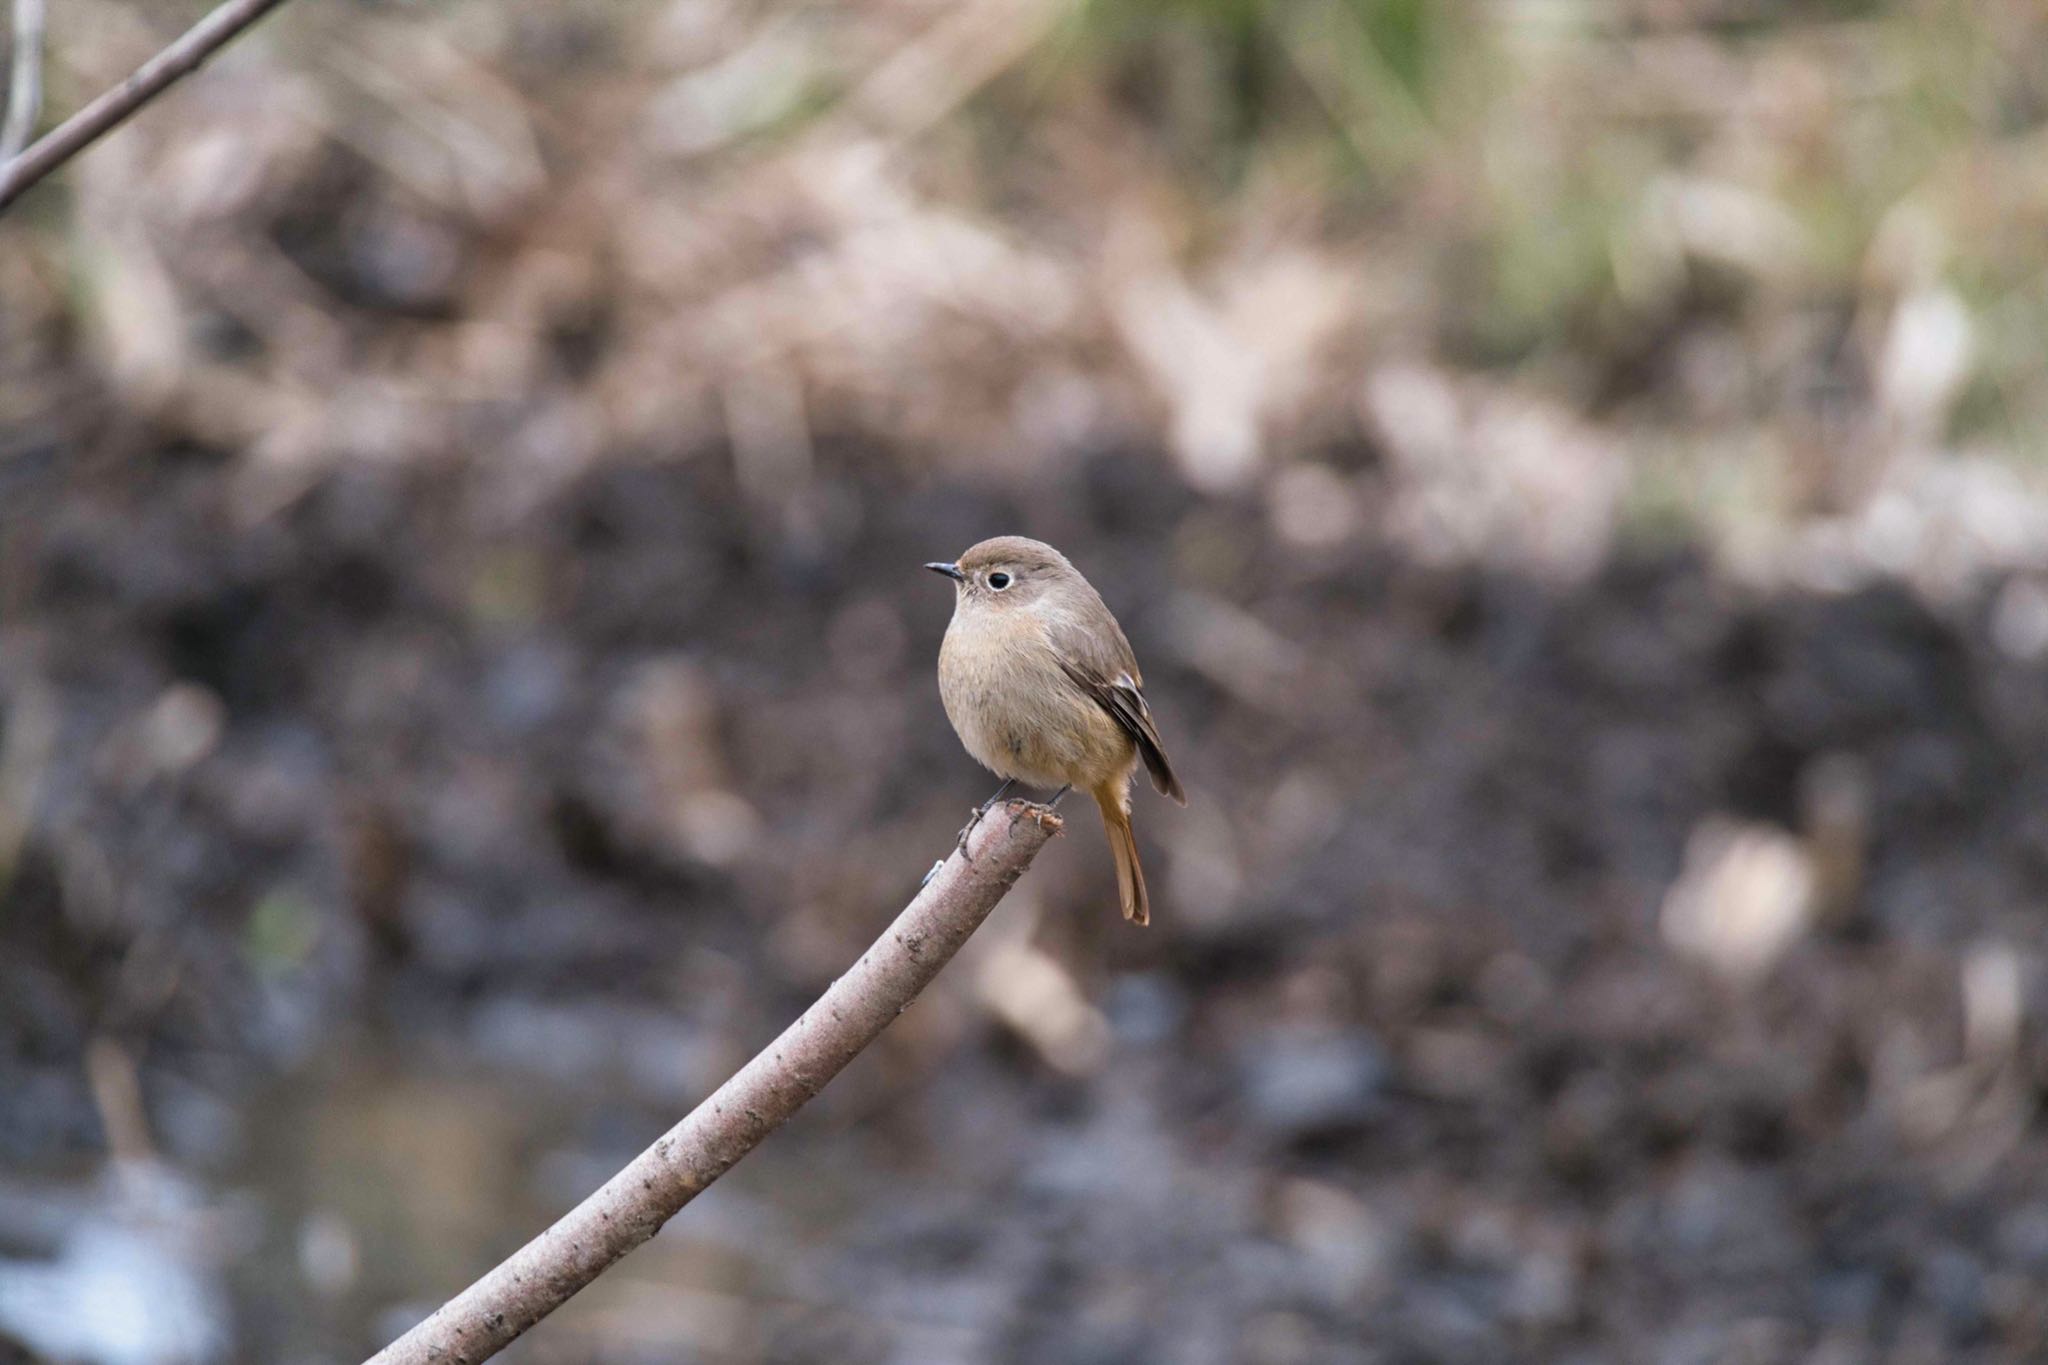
x=1115, y=802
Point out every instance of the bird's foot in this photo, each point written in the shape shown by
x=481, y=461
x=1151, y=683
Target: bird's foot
x=975, y=819
x=1020, y=809
x=972, y=820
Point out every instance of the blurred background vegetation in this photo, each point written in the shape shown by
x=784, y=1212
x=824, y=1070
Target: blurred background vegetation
x=1572, y=471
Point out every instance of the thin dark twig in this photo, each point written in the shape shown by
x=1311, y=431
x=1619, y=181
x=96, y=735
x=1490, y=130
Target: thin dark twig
x=25, y=81
x=107, y=112
x=632, y=1206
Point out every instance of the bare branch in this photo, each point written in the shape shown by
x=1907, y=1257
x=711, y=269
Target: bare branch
x=101, y=116
x=632, y=1206
x=25, y=84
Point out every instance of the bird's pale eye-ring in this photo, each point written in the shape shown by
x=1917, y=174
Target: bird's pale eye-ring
x=999, y=580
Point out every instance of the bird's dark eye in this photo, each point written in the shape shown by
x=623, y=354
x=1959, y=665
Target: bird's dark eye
x=999, y=580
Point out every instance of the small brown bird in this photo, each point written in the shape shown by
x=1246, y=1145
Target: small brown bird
x=1042, y=688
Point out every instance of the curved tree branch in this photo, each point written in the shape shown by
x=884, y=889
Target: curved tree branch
x=107, y=112
x=632, y=1206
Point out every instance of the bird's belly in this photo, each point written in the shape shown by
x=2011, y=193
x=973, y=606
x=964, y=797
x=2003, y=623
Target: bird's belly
x=1022, y=718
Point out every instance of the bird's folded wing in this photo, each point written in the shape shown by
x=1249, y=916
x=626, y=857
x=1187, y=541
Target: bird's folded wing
x=1126, y=705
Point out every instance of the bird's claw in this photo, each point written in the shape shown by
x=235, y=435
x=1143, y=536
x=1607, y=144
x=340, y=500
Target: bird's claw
x=967, y=829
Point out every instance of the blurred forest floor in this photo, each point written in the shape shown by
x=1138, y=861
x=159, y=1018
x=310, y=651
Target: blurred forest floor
x=1571, y=472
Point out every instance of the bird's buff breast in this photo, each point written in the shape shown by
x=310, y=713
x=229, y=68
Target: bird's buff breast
x=1016, y=710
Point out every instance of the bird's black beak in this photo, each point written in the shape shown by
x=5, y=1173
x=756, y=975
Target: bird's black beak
x=951, y=571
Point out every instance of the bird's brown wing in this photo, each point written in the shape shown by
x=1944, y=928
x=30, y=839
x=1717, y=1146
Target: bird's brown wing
x=1104, y=668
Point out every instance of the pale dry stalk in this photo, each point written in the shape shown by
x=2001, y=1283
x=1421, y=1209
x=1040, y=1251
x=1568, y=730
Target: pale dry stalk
x=634, y=1204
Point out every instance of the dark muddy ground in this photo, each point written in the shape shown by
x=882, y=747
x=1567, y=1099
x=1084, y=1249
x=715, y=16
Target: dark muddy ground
x=383, y=871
